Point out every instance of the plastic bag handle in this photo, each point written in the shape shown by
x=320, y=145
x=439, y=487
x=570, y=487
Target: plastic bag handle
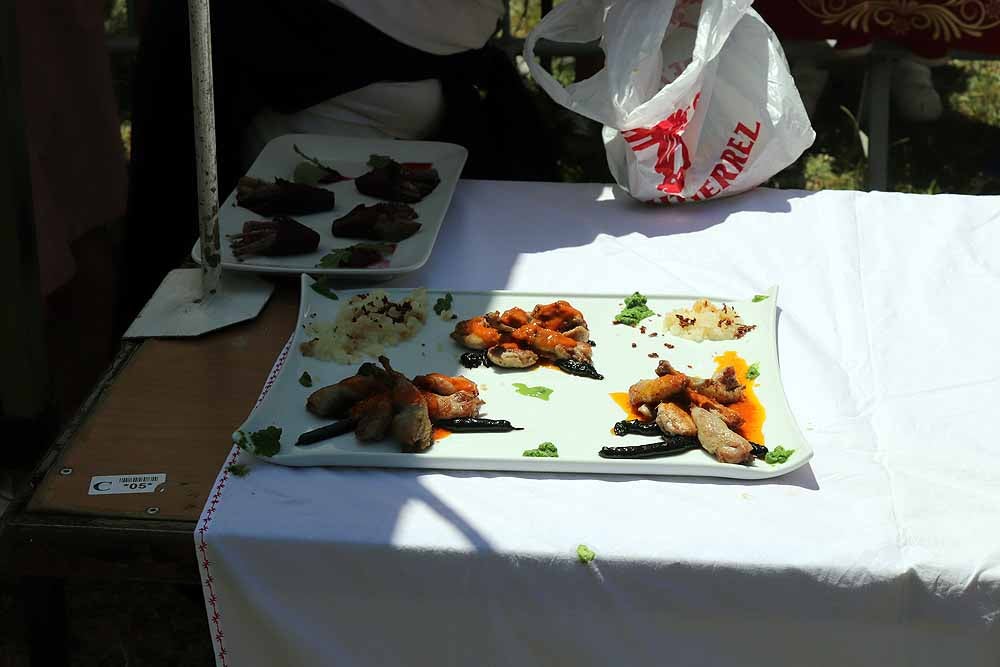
x=543, y=30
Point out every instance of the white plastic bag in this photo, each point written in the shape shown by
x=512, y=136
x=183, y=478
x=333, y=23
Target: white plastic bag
x=695, y=95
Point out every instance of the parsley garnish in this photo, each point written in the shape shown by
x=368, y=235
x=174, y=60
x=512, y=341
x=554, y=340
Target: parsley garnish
x=443, y=303
x=313, y=172
x=265, y=442
x=585, y=553
x=238, y=469
x=757, y=298
x=340, y=257
x=321, y=287
x=635, y=310
x=754, y=371
x=305, y=379
x=778, y=455
x=544, y=450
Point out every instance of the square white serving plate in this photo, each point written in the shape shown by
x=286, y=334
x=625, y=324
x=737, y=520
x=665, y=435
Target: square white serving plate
x=349, y=156
x=579, y=414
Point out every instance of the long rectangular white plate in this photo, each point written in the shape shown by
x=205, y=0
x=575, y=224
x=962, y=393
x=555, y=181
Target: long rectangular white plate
x=349, y=156
x=579, y=414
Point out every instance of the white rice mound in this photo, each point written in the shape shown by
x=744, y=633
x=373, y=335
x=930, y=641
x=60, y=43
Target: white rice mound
x=366, y=324
x=706, y=321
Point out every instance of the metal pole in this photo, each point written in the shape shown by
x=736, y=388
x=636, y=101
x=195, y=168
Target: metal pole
x=879, y=81
x=199, y=22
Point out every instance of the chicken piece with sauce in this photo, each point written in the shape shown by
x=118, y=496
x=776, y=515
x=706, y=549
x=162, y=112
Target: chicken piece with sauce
x=476, y=334
x=723, y=387
x=453, y=406
x=517, y=339
x=562, y=317
x=550, y=343
x=656, y=391
x=511, y=355
x=445, y=385
x=679, y=407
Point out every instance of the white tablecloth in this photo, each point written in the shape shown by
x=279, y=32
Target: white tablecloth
x=884, y=550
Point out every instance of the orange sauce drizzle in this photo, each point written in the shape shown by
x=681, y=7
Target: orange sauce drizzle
x=621, y=398
x=749, y=408
x=440, y=433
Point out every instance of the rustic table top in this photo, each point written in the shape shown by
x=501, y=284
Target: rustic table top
x=164, y=406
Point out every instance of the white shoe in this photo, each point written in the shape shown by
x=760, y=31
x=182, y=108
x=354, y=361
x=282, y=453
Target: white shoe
x=913, y=92
x=810, y=81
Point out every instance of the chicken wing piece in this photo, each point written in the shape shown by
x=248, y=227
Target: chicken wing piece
x=552, y=344
x=656, y=391
x=717, y=439
x=445, y=385
x=515, y=317
x=374, y=415
x=672, y=420
x=578, y=333
x=511, y=355
x=728, y=415
x=723, y=387
x=453, y=406
x=476, y=334
x=664, y=368
x=411, y=426
x=335, y=400
x=558, y=316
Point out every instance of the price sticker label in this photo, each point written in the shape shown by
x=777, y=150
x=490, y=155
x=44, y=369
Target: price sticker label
x=103, y=485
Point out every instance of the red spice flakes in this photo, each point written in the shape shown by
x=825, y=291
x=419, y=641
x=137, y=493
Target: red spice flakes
x=690, y=366
x=744, y=329
x=668, y=346
x=653, y=355
x=685, y=322
x=633, y=344
x=653, y=335
x=642, y=329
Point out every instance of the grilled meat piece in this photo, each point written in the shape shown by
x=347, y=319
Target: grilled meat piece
x=334, y=401
x=379, y=222
x=397, y=182
x=654, y=392
x=717, y=439
x=374, y=415
x=282, y=197
x=273, y=238
x=411, y=425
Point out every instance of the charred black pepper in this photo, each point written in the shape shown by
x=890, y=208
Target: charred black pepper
x=477, y=425
x=326, y=432
x=636, y=427
x=475, y=359
x=670, y=445
x=581, y=368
